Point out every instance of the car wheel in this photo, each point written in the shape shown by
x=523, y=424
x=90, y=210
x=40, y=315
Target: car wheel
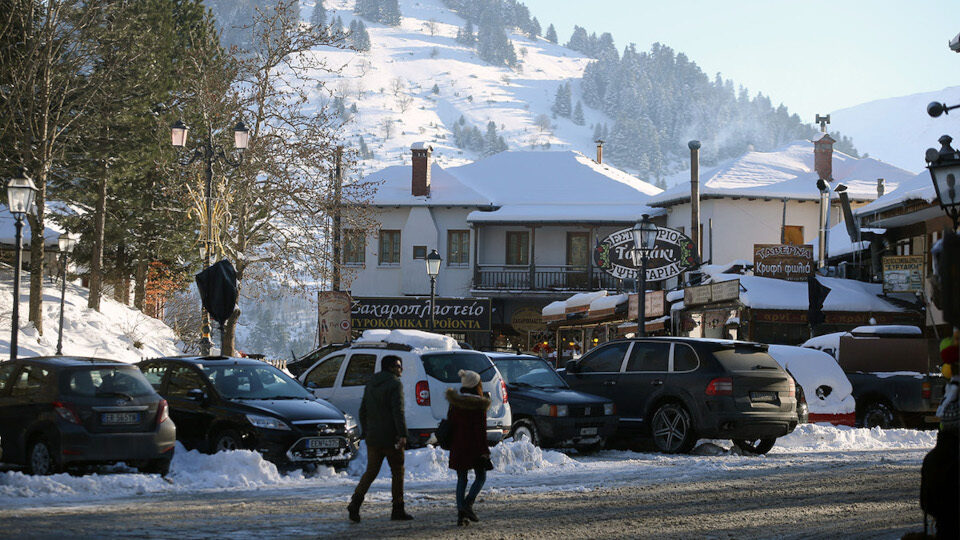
x=755, y=446
x=525, y=430
x=672, y=429
x=41, y=458
x=878, y=414
x=225, y=440
x=159, y=466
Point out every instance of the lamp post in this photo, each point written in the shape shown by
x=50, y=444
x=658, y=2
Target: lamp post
x=944, y=166
x=20, y=193
x=433, y=268
x=644, y=239
x=210, y=152
x=66, y=242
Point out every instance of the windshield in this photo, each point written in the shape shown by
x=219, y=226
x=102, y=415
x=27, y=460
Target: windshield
x=126, y=381
x=529, y=371
x=445, y=366
x=254, y=382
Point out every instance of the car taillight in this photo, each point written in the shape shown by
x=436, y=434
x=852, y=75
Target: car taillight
x=66, y=412
x=423, y=393
x=925, y=390
x=503, y=388
x=793, y=387
x=163, y=412
x=722, y=386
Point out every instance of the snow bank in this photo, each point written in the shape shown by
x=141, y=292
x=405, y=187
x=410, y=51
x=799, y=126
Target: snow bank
x=417, y=340
x=888, y=329
x=826, y=387
x=819, y=437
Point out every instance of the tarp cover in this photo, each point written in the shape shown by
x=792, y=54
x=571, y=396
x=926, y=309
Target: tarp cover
x=218, y=290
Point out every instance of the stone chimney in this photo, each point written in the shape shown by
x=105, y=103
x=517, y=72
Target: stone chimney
x=420, y=183
x=599, y=151
x=881, y=187
x=823, y=157
x=694, y=147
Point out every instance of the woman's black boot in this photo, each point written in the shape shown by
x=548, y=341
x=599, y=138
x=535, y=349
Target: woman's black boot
x=468, y=511
x=462, y=520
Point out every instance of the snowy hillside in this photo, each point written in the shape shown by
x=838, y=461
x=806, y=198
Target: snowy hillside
x=898, y=130
x=116, y=332
x=393, y=84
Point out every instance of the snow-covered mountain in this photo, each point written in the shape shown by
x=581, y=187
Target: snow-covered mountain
x=898, y=130
x=393, y=83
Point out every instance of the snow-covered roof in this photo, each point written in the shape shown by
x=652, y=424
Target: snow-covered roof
x=51, y=230
x=839, y=243
x=445, y=189
x=845, y=294
x=416, y=339
x=916, y=188
x=787, y=172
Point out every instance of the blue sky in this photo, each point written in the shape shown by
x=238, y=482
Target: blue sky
x=815, y=56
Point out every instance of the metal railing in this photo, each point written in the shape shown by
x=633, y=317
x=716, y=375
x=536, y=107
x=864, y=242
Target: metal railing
x=545, y=278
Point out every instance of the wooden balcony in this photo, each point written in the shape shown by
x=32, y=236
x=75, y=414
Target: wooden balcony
x=496, y=277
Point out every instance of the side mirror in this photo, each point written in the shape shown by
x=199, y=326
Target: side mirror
x=572, y=366
x=311, y=385
x=197, y=395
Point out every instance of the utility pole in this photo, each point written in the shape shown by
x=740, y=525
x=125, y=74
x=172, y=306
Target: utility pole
x=337, y=189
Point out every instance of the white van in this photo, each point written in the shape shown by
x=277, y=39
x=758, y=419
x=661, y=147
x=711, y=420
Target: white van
x=340, y=378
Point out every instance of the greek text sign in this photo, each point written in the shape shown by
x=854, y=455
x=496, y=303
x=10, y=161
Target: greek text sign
x=724, y=291
x=672, y=254
x=783, y=261
x=413, y=313
x=903, y=273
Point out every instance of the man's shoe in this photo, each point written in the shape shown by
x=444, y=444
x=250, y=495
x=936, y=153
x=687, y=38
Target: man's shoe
x=399, y=514
x=353, y=510
x=468, y=511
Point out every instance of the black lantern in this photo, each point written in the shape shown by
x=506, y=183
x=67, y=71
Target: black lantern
x=644, y=240
x=433, y=268
x=20, y=194
x=178, y=134
x=241, y=135
x=944, y=166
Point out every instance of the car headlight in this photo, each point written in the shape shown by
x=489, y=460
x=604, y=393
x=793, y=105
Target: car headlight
x=351, y=423
x=552, y=410
x=609, y=409
x=267, y=422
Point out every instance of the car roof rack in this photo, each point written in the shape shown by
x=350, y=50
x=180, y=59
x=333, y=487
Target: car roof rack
x=380, y=345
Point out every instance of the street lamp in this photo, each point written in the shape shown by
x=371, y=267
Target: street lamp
x=210, y=153
x=66, y=243
x=433, y=268
x=944, y=166
x=644, y=239
x=20, y=193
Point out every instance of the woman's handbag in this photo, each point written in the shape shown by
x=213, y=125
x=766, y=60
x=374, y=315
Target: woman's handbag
x=484, y=462
x=443, y=434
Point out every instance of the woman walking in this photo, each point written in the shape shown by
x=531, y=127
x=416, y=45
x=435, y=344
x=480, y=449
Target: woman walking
x=467, y=415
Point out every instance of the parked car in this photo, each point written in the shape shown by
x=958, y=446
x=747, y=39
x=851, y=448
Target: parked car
x=894, y=383
x=679, y=390
x=298, y=365
x=546, y=411
x=58, y=412
x=340, y=378
x=819, y=377
x=222, y=403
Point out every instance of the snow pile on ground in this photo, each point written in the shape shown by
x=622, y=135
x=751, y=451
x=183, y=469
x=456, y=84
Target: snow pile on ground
x=517, y=457
x=815, y=370
x=820, y=437
x=418, y=340
x=117, y=332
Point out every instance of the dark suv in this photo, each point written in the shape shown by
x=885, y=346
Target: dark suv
x=222, y=403
x=682, y=389
x=60, y=411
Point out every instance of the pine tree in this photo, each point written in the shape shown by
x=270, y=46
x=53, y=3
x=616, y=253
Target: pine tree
x=336, y=26
x=551, y=34
x=491, y=141
x=579, y=41
x=319, y=15
x=466, y=36
x=578, y=118
x=535, y=29
x=435, y=89
x=389, y=13
x=364, y=150
x=561, y=101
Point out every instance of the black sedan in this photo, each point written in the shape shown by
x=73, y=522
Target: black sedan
x=222, y=403
x=546, y=411
x=59, y=412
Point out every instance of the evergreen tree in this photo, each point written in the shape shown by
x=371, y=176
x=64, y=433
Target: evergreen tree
x=597, y=132
x=492, y=142
x=435, y=89
x=561, y=101
x=389, y=12
x=319, y=15
x=579, y=41
x=551, y=34
x=466, y=36
x=359, y=37
x=578, y=118
x=494, y=47
x=364, y=150
x=535, y=29
x=336, y=26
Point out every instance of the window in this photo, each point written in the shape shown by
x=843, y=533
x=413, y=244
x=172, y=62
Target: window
x=684, y=359
x=446, y=367
x=604, y=359
x=183, y=380
x=518, y=247
x=324, y=375
x=354, y=247
x=649, y=357
x=793, y=234
x=31, y=382
x=904, y=247
x=5, y=372
x=154, y=373
x=458, y=248
x=359, y=370
x=107, y=381
x=389, y=247
x=419, y=252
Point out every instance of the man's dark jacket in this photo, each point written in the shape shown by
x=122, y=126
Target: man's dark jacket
x=381, y=411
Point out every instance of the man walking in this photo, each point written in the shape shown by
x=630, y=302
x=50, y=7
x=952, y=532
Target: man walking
x=385, y=431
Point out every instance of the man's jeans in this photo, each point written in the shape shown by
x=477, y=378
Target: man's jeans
x=375, y=456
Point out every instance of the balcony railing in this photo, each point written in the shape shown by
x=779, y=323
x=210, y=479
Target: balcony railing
x=545, y=278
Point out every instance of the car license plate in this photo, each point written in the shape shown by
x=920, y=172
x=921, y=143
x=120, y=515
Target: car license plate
x=323, y=443
x=763, y=397
x=588, y=431
x=114, y=418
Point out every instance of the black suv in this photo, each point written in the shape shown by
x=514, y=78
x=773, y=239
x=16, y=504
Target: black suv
x=58, y=412
x=222, y=403
x=682, y=389
x=546, y=411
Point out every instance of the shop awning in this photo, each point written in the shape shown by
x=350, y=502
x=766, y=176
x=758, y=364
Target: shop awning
x=589, y=306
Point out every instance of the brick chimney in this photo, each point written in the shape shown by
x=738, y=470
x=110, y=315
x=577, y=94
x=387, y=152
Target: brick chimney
x=420, y=184
x=823, y=157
